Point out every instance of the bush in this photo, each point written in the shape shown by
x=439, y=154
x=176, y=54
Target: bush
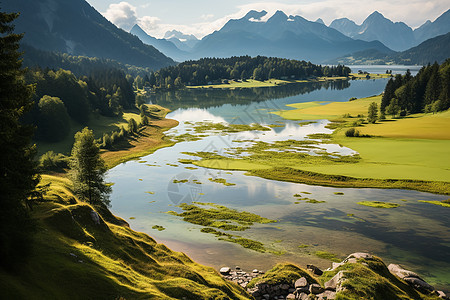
x=352, y=132
x=352, y=99
x=50, y=161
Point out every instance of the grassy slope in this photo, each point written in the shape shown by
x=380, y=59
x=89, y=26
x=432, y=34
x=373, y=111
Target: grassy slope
x=111, y=259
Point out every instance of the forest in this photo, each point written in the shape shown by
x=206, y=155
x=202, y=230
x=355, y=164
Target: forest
x=261, y=68
x=428, y=91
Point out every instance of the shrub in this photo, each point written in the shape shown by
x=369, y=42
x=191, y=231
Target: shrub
x=352, y=132
x=50, y=161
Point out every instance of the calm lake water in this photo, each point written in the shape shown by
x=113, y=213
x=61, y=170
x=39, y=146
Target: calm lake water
x=415, y=234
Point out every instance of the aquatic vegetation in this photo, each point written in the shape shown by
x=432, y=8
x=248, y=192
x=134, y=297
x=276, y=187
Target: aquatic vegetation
x=224, y=218
x=132, y=218
x=191, y=168
x=151, y=193
x=320, y=136
x=306, y=123
x=444, y=203
x=338, y=193
x=221, y=181
x=180, y=181
x=172, y=165
x=327, y=255
x=314, y=201
x=201, y=127
x=185, y=137
x=158, y=227
x=378, y=204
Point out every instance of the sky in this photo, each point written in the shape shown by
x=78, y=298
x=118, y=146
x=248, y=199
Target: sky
x=202, y=17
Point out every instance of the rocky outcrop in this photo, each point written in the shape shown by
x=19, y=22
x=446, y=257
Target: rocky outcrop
x=306, y=287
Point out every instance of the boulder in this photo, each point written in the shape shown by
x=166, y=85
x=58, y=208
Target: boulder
x=300, y=283
x=285, y=286
x=290, y=296
x=302, y=296
x=359, y=255
x=327, y=295
x=398, y=271
x=255, y=271
x=315, y=270
x=442, y=295
x=335, y=265
x=335, y=281
x=419, y=284
x=315, y=288
x=225, y=271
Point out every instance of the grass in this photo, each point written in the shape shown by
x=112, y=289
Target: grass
x=106, y=261
x=378, y=204
x=370, y=279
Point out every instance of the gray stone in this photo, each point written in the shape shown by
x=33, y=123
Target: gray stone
x=238, y=268
x=419, y=284
x=302, y=296
x=302, y=282
x=327, y=295
x=335, y=265
x=315, y=288
x=255, y=271
x=285, y=286
x=358, y=255
x=335, y=281
x=291, y=290
x=266, y=296
x=441, y=295
x=400, y=272
x=224, y=270
x=290, y=296
x=95, y=217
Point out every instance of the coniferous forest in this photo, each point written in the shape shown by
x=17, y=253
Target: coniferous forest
x=428, y=91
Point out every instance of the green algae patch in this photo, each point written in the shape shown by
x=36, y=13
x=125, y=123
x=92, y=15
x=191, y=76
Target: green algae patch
x=314, y=201
x=378, y=204
x=201, y=127
x=221, y=181
x=339, y=193
x=214, y=217
x=444, y=203
x=158, y=227
x=327, y=255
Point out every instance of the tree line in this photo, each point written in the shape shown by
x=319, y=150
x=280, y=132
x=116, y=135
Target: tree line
x=60, y=96
x=428, y=91
x=206, y=70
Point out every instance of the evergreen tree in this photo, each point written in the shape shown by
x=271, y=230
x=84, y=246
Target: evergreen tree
x=54, y=121
x=372, y=115
x=18, y=175
x=88, y=170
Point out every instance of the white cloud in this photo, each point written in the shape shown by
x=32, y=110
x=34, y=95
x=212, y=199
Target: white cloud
x=149, y=23
x=122, y=14
x=206, y=17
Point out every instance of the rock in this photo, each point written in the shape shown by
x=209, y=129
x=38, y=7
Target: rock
x=285, y=286
x=302, y=282
x=335, y=265
x=441, y=295
x=335, y=281
x=95, y=217
x=266, y=296
x=255, y=271
x=315, y=288
x=291, y=291
x=400, y=272
x=302, y=296
x=359, y=255
x=238, y=268
x=327, y=295
x=419, y=284
x=225, y=271
x=315, y=270
x=351, y=260
x=290, y=296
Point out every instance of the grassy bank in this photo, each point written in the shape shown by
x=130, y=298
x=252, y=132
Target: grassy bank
x=408, y=153
x=72, y=257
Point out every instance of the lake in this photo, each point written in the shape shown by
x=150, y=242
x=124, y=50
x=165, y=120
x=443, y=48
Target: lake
x=415, y=234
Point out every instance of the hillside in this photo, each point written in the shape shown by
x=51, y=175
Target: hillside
x=75, y=257
x=76, y=28
x=435, y=49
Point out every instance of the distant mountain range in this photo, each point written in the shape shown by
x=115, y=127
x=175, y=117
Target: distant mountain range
x=435, y=49
x=77, y=28
x=397, y=36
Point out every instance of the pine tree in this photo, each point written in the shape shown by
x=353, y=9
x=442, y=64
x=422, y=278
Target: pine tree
x=88, y=170
x=18, y=175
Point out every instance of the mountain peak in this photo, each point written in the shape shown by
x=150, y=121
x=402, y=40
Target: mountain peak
x=319, y=20
x=255, y=15
x=376, y=15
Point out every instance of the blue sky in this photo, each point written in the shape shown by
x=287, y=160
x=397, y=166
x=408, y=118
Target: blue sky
x=201, y=17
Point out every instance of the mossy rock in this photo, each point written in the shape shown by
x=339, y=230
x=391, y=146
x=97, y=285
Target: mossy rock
x=282, y=273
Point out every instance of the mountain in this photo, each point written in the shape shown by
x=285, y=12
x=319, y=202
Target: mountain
x=397, y=36
x=434, y=49
x=319, y=20
x=163, y=45
x=76, y=28
x=280, y=35
x=431, y=29
x=183, y=41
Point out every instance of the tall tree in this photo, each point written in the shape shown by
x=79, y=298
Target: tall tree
x=18, y=175
x=88, y=170
x=372, y=115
